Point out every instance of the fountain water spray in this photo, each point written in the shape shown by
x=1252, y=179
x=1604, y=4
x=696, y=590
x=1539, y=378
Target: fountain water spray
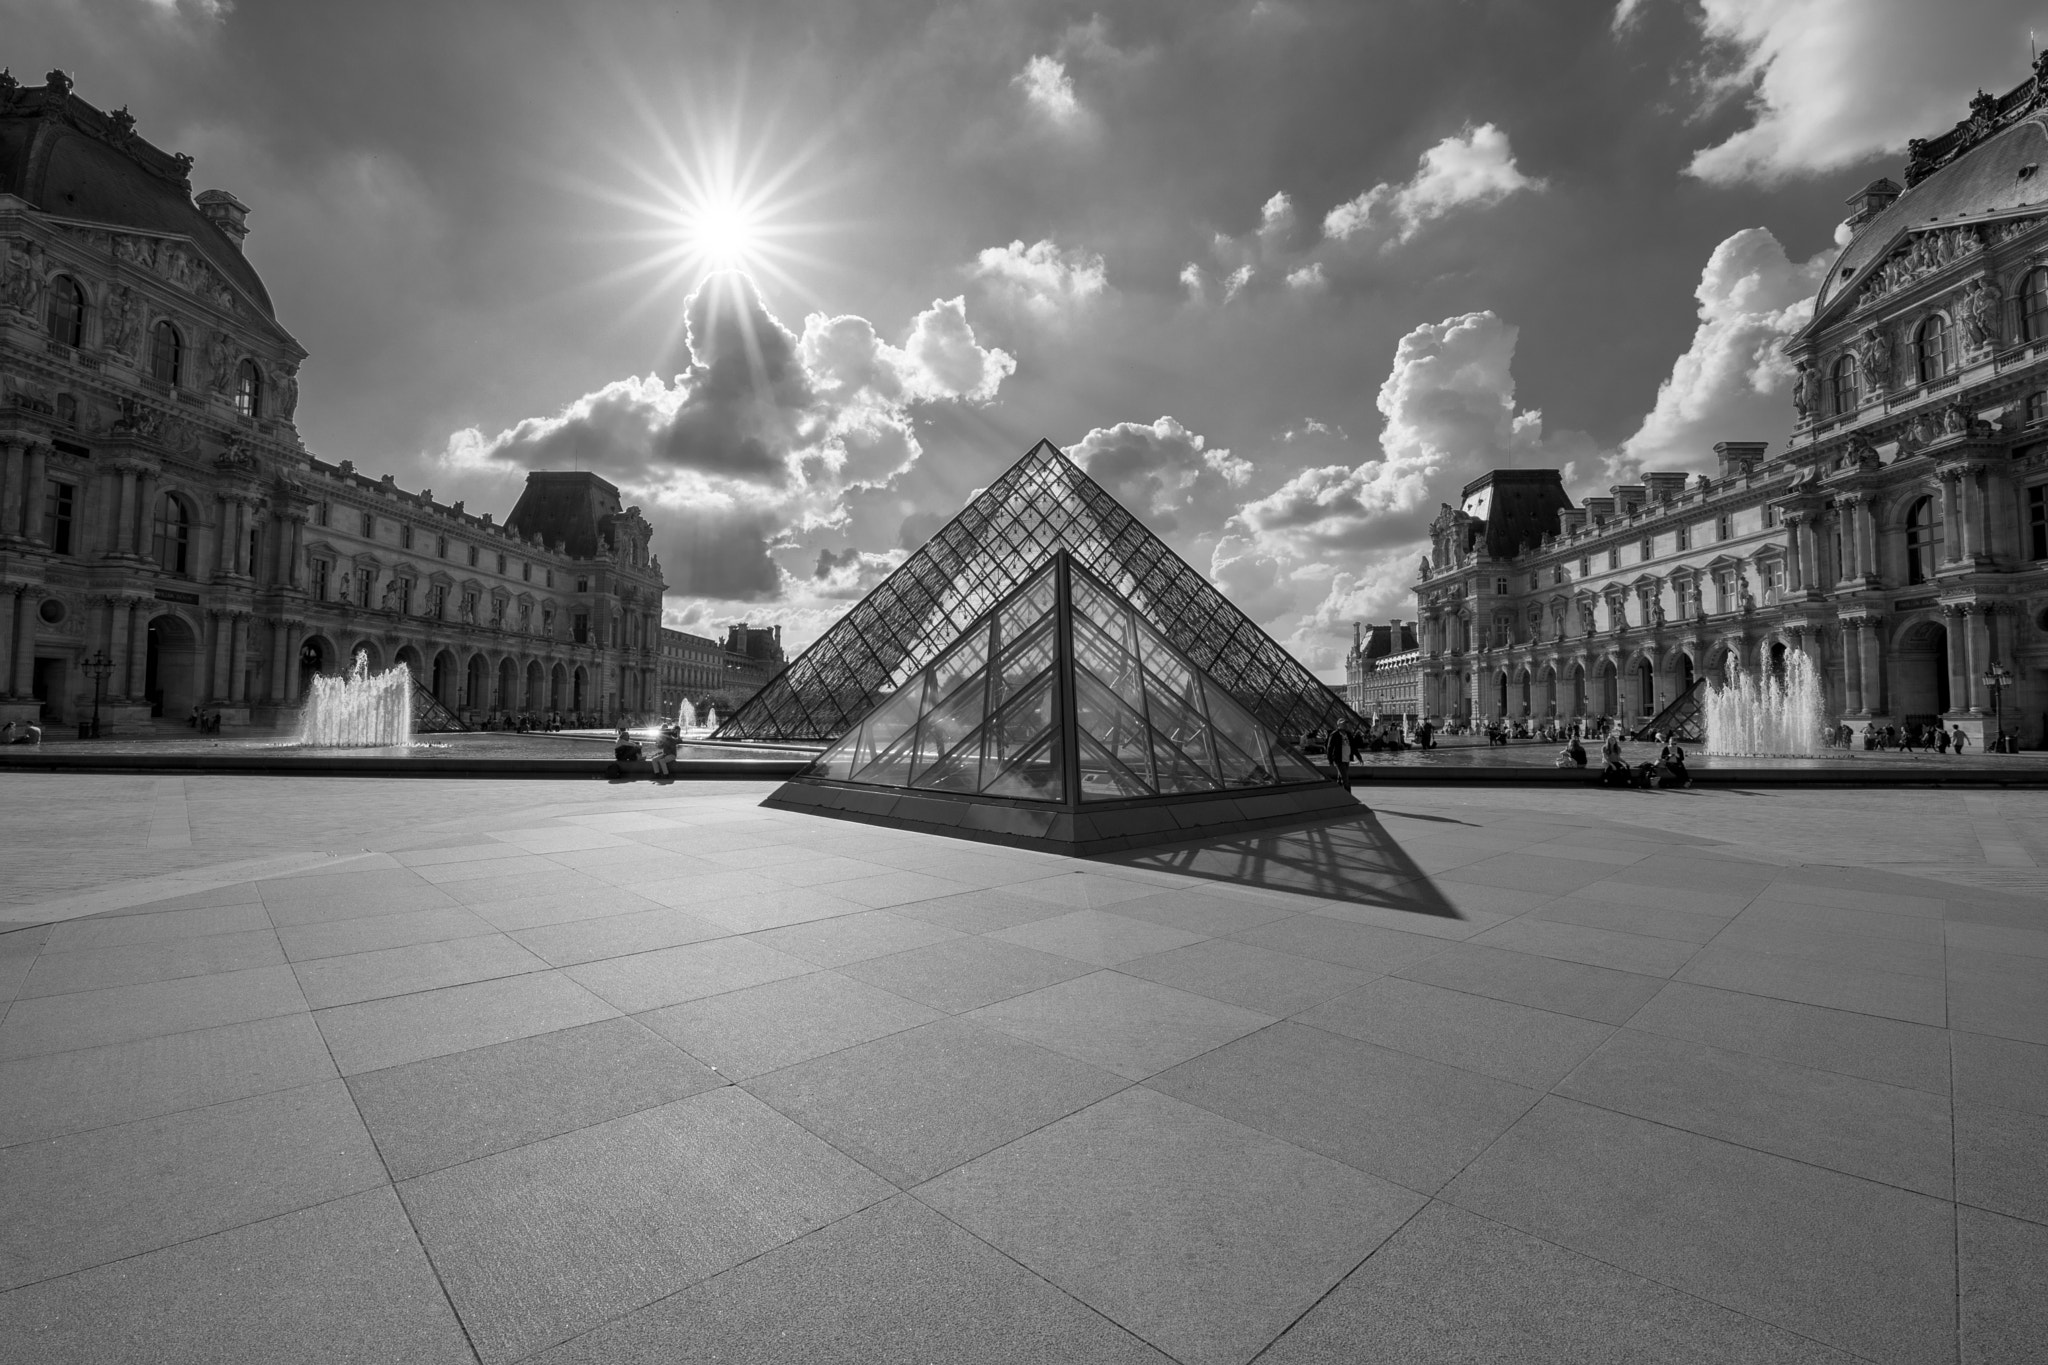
x=360, y=709
x=1768, y=715
x=686, y=715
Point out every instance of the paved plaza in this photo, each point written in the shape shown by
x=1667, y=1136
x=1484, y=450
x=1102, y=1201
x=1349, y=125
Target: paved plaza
x=305, y=1070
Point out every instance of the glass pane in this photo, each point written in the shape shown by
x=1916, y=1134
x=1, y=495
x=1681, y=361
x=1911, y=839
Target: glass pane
x=1103, y=778
x=948, y=723
x=964, y=658
x=1024, y=661
x=1177, y=719
x=837, y=761
x=957, y=770
x=1034, y=777
x=1288, y=768
x=894, y=723
x=1026, y=609
x=1240, y=747
x=1178, y=771
x=1094, y=604
x=1115, y=728
x=1113, y=663
x=1019, y=725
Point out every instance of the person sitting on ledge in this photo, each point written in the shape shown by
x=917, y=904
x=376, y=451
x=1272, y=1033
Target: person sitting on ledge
x=1672, y=760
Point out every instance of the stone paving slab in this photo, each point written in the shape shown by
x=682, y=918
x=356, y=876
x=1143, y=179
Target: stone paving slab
x=572, y=1072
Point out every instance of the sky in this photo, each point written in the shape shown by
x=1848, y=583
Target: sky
x=801, y=275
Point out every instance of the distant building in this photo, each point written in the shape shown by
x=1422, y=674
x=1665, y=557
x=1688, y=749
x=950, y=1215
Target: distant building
x=692, y=666
x=753, y=655
x=1382, y=673
x=163, y=526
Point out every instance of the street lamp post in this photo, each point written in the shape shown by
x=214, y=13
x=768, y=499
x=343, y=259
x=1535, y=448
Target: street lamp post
x=1997, y=678
x=99, y=666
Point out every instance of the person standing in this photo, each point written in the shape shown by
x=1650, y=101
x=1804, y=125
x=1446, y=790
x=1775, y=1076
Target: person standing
x=1958, y=739
x=1340, y=754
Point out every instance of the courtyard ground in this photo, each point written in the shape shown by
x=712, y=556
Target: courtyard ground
x=408, y=1070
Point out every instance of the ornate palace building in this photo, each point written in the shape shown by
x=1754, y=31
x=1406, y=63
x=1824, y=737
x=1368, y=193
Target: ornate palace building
x=1899, y=539
x=707, y=672
x=166, y=539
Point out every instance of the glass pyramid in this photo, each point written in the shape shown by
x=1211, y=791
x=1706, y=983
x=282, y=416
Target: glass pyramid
x=1042, y=504
x=1062, y=692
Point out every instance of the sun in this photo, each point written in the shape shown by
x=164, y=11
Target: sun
x=725, y=234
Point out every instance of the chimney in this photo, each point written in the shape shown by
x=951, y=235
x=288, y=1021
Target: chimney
x=225, y=212
x=1739, y=457
x=1600, y=510
x=1628, y=497
x=1571, y=520
x=1664, y=487
x=1870, y=201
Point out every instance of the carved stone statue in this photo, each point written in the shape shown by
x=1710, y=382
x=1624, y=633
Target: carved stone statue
x=341, y=586
x=390, y=600
x=121, y=327
x=1803, y=390
x=1748, y=602
x=26, y=288
x=1657, y=609
x=288, y=392
x=1954, y=420
x=1588, y=625
x=220, y=359
x=1980, y=314
x=468, y=610
x=1874, y=358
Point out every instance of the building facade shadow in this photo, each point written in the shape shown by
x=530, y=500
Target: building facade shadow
x=1349, y=858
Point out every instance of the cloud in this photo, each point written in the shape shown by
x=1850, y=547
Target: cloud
x=1448, y=403
x=761, y=439
x=1834, y=82
x=1309, y=278
x=1042, y=277
x=215, y=11
x=852, y=574
x=1476, y=167
x=1162, y=471
x=1626, y=15
x=1732, y=382
x=1048, y=89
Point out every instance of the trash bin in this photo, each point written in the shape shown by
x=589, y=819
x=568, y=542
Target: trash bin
x=85, y=729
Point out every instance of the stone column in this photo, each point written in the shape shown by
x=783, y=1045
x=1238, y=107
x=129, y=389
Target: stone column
x=292, y=641
x=32, y=492
x=124, y=510
x=1951, y=519
x=118, y=612
x=217, y=640
x=238, y=657
x=12, y=456
x=1876, y=694
x=1977, y=631
x=1852, y=667
x=1957, y=661
x=1795, y=555
x=145, y=498
x=26, y=603
x=10, y=599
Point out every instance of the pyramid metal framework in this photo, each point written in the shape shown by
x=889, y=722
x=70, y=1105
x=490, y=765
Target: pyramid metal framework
x=1062, y=693
x=1040, y=505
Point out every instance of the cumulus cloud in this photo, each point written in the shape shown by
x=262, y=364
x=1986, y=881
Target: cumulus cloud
x=1163, y=472
x=761, y=438
x=1308, y=279
x=1834, y=82
x=1732, y=382
x=1475, y=167
x=1042, y=277
x=1049, y=90
x=1450, y=414
x=852, y=574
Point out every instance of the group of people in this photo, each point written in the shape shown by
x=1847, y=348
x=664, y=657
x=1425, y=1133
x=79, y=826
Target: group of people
x=21, y=732
x=204, y=722
x=668, y=741
x=527, y=722
x=1667, y=771
x=1927, y=738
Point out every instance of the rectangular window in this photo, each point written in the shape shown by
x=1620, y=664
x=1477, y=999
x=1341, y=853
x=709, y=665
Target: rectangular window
x=405, y=597
x=1770, y=515
x=1557, y=573
x=1722, y=590
x=1767, y=578
x=1648, y=550
x=526, y=573
x=1585, y=566
x=441, y=547
x=580, y=628
x=497, y=611
x=405, y=536
x=320, y=580
x=472, y=556
x=439, y=600
x=1723, y=526
x=1535, y=581
x=1500, y=586
x=255, y=553
x=583, y=585
x=60, y=508
x=2037, y=407
x=319, y=514
x=551, y=578
x=2037, y=520
x=369, y=526
x=366, y=582
x=469, y=607
x=501, y=563
x=1614, y=556
x=1684, y=539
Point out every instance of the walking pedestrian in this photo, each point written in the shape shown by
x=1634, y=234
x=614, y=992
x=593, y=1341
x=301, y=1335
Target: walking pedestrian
x=1340, y=755
x=1958, y=739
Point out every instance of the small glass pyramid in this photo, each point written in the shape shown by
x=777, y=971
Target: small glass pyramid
x=1062, y=693
x=1004, y=536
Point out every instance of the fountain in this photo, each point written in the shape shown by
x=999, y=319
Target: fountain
x=359, y=709
x=686, y=715
x=710, y=719
x=1768, y=715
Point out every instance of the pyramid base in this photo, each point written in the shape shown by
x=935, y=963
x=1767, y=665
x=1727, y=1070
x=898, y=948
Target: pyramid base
x=1094, y=829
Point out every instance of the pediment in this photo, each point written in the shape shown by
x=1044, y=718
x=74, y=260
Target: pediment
x=1918, y=253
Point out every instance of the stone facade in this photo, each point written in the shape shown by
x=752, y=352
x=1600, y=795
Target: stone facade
x=1383, y=674
x=162, y=524
x=1899, y=539
x=725, y=674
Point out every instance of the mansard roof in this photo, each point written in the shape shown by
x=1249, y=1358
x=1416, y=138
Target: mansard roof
x=74, y=162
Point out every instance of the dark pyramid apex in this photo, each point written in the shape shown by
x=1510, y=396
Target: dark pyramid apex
x=1042, y=504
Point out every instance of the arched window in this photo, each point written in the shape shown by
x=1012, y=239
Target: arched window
x=1930, y=343
x=1844, y=393
x=173, y=537
x=248, y=389
x=67, y=311
x=166, y=353
x=2034, y=306
x=1923, y=540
